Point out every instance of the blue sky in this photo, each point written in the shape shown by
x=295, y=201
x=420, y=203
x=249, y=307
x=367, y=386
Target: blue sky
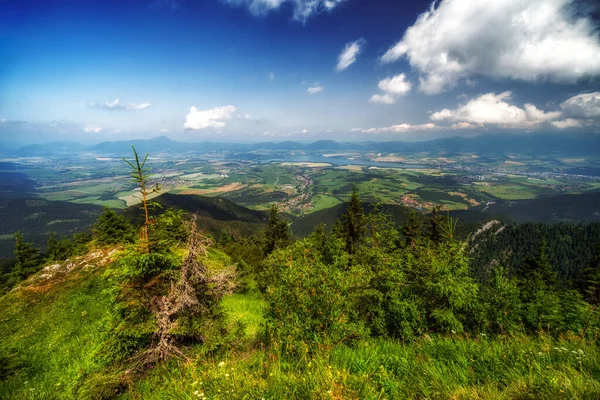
x=257, y=70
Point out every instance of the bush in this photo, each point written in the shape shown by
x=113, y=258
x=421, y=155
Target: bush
x=306, y=300
x=111, y=228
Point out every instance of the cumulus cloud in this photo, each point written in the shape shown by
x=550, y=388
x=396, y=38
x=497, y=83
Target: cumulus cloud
x=315, y=89
x=567, y=123
x=303, y=9
x=496, y=109
x=393, y=87
x=462, y=126
x=92, y=128
x=383, y=99
x=585, y=105
x=116, y=105
x=212, y=118
x=401, y=128
x=519, y=39
x=349, y=54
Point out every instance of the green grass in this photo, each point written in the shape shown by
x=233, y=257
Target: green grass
x=51, y=330
x=246, y=309
x=323, y=201
x=435, y=368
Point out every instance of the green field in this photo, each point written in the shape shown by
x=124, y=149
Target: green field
x=301, y=189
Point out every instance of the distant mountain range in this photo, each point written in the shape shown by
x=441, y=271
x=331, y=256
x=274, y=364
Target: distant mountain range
x=532, y=144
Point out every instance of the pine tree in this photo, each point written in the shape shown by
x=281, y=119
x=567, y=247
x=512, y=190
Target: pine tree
x=52, y=247
x=27, y=255
x=353, y=222
x=589, y=283
x=411, y=229
x=112, y=228
x=277, y=234
x=435, y=225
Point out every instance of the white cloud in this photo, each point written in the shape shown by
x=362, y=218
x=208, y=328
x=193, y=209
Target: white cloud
x=304, y=131
x=349, y=54
x=271, y=76
x=383, y=99
x=462, y=125
x=401, y=128
x=567, y=123
x=519, y=39
x=164, y=130
x=393, y=87
x=315, y=89
x=116, y=105
x=92, y=128
x=212, y=118
x=140, y=106
x=303, y=9
x=396, y=85
x=585, y=105
x=495, y=109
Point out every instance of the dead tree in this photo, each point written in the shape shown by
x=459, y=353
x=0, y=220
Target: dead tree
x=194, y=293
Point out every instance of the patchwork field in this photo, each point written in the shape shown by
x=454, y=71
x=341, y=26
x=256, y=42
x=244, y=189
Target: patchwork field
x=423, y=181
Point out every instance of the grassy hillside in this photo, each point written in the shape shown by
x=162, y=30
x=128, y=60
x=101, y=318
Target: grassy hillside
x=53, y=325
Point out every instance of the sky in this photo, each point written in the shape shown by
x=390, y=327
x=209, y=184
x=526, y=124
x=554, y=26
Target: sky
x=303, y=70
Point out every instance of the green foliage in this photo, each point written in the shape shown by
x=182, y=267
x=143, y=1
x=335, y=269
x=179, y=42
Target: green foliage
x=58, y=250
x=28, y=258
x=306, y=300
x=500, y=305
x=277, y=234
x=111, y=228
x=411, y=229
x=435, y=225
x=168, y=229
x=589, y=281
x=353, y=223
x=135, y=279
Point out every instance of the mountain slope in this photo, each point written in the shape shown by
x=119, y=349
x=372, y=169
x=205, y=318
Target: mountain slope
x=571, y=208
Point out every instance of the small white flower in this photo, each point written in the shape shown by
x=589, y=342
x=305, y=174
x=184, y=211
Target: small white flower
x=222, y=363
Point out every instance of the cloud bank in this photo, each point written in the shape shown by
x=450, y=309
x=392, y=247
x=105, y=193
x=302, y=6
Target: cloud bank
x=519, y=39
x=116, y=105
x=498, y=110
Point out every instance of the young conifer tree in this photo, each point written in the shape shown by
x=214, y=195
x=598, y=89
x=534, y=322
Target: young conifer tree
x=353, y=222
x=27, y=255
x=277, y=234
x=140, y=176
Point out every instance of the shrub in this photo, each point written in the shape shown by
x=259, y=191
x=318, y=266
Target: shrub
x=307, y=304
x=112, y=228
